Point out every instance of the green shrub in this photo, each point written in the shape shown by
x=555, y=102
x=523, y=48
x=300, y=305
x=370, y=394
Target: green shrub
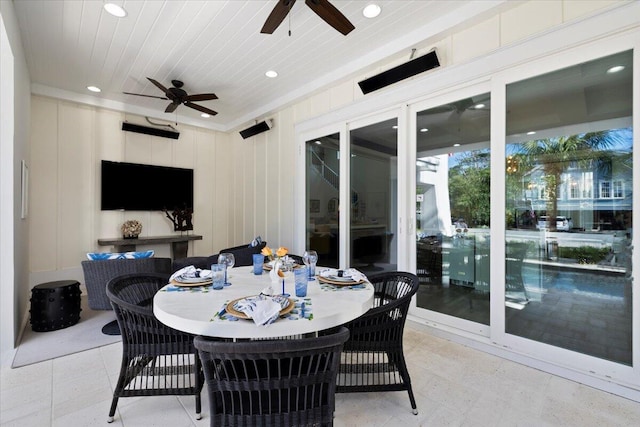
x=584, y=254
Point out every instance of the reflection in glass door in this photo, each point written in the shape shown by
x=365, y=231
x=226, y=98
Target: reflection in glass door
x=322, y=198
x=569, y=199
x=373, y=193
x=453, y=208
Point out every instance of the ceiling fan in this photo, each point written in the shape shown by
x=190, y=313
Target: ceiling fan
x=178, y=96
x=322, y=8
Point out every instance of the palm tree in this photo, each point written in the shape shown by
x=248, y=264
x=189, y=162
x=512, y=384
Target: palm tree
x=556, y=154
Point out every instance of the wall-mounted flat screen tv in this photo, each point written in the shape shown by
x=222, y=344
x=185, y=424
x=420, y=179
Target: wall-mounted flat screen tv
x=137, y=187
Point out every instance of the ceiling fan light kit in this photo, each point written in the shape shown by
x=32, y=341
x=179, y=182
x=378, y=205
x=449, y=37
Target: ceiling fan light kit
x=401, y=72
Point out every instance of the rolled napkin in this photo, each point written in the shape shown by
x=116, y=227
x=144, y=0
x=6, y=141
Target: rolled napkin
x=351, y=273
x=190, y=272
x=263, y=309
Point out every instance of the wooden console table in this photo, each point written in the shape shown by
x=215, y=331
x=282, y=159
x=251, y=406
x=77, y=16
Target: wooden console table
x=179, y=244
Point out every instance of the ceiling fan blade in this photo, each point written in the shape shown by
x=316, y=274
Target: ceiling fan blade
x=201, y=97
x=167, y=92
x=171, y=107
x=331, y=15
x=200, y=108
x=148, y=96
x=277, y=15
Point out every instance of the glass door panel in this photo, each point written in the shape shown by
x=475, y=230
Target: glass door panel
x=453, y=208
x=569, y=194
x=322, y=198
x=373, y=192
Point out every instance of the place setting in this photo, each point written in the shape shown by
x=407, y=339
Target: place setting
x=265, y=309
x=191, y=279
x=336, y=279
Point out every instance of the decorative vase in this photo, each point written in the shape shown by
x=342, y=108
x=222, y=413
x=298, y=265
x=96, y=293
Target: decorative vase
x=273, y=274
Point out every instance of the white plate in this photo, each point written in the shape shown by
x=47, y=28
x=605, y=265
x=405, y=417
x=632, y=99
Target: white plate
x=286, y=305
x=341, y=279
x=181, y=279
x=280, y=299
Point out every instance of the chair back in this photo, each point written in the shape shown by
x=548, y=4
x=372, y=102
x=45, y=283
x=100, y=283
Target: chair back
x=202, y=262
x=131, y=296
x=98, y=273
x=274, y=382
x=392, y=293
x=243, y=254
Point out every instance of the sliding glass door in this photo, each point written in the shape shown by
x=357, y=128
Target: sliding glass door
x=373, y=196
x=322, y=198
x=569, y=195
x=452, y=208
x=510, y=197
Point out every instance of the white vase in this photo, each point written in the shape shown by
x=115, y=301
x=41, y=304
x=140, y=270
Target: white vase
x=273, y=274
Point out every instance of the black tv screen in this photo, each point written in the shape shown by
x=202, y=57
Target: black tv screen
x=136, y=187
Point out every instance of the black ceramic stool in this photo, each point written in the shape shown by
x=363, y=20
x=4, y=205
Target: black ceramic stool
x=55, y=305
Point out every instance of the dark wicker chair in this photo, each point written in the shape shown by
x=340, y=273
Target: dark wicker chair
x=202, y=262
x=373, y=357
x=243, y=254
x=98, y=273
x=156, y=360
x=272, y=383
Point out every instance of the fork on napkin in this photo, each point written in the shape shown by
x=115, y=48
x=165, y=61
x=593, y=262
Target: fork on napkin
x=190, y=272
x=263, y=309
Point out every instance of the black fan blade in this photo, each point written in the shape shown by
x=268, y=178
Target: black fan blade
x=331, y=15
x=201, y=97
x=148, y=96
x=171, y=107
x=277, y=15
x=200, y=108
x=167, y=92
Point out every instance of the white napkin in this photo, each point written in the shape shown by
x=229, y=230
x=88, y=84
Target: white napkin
x=190, y=272
x=352, y=273
x=264, y=310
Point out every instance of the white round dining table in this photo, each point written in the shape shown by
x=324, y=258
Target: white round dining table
x=195, y=310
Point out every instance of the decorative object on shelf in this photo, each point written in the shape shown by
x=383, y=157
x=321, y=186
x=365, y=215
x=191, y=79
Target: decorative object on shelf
x=131, y=229
x=181, y=219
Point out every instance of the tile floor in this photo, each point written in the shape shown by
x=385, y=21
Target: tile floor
x=454, y=386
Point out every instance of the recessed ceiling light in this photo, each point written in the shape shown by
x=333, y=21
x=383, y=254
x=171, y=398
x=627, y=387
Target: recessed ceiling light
x=94, y=89
x=531, y=133
x=271, y=74
x=371, y=10
x=395, y=126
x=318, y=142
x=115, y=10
x=424, y=130
x=479, y=106
x=615, y=69
x=205, y=115
x=456, y=145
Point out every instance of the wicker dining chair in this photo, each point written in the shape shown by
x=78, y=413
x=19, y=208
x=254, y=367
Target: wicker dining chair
x=272, y=382
x=98, y=273
x=156, y=360
x=373, y=357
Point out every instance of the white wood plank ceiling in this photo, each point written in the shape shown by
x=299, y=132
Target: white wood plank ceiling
x=216, y=46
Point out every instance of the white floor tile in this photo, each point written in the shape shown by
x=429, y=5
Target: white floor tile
x=453, y=386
